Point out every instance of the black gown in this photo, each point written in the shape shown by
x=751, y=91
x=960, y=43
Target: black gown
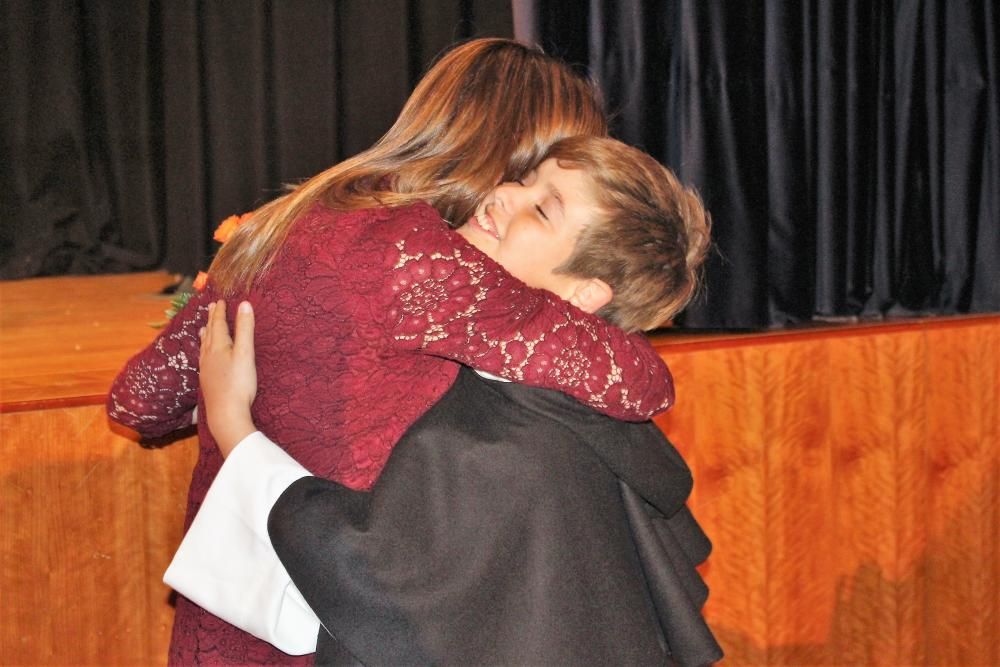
x=511, y=526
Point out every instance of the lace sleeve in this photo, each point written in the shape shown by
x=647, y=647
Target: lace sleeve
x=450, y=300
x=156, y=391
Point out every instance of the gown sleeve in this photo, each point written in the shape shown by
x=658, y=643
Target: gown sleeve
x=157, y=390
x=225, y=563
x=449, y=299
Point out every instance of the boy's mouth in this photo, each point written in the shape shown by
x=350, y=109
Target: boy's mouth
x=485, y=222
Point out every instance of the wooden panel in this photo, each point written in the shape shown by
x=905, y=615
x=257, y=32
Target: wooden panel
x=847, y=476
x=962, y=560
x=849, y=482
x=90, y=520
x=63, y=340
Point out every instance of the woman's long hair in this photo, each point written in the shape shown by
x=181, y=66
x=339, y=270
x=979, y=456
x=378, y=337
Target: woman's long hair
x=486, y=112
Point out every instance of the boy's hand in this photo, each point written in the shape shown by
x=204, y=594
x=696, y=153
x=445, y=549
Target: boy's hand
x=228, y=376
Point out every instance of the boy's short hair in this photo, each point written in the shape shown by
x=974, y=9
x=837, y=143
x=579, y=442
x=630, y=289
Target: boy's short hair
x=652, y=240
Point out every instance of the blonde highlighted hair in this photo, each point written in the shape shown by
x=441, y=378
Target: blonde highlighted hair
x=486, y=112
x=650, y=239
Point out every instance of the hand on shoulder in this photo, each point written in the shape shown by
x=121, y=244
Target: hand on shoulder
x=228, y=375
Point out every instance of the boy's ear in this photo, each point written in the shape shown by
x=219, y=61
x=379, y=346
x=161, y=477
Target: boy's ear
x=591, y=294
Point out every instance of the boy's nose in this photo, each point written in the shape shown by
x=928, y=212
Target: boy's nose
x=502, y=197
x=509, y=194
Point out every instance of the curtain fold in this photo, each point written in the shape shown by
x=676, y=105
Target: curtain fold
x=847, y=150
x=127, y=135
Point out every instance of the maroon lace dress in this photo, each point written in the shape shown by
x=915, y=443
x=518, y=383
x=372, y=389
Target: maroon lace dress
x=360, y=326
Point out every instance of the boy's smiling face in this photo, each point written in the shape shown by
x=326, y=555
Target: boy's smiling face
x=531, y=227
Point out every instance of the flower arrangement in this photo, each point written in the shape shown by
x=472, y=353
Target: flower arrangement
x=188, y=287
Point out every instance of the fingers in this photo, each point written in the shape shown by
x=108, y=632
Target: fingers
x=244, y=330
x=215, y=333
x=203, y=332
x=218, y=327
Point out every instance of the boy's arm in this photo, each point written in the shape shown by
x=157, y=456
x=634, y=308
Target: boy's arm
x=449, y=299
x=157, y=390
x=226, y=564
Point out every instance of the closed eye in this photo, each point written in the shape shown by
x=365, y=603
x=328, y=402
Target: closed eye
x=541, y=212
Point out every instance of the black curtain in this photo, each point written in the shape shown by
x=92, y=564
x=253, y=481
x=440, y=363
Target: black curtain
x=849, y=151
x=129, y=130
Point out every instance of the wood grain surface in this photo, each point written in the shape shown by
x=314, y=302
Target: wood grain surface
x=62, y=340
x=90, y=521
x=849, y=483
x=90, y=518
x=848, y=478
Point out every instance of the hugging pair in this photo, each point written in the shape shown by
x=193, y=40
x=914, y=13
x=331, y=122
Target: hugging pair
x=365, y=299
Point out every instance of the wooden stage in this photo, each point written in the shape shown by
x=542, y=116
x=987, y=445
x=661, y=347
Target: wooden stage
x=848, y=477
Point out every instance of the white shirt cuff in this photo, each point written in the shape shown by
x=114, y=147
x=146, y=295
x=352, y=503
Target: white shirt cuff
x=226, y=564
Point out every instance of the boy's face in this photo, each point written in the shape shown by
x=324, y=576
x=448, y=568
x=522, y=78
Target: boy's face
x=530, y=227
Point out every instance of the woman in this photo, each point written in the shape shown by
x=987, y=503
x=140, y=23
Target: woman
x=360, y=292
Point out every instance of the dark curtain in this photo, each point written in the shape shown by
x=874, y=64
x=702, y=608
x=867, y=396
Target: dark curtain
x=849, y=151
x=129, y=130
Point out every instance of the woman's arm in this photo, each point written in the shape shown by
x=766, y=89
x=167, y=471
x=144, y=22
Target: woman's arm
x=157, y=390
x=446, y=298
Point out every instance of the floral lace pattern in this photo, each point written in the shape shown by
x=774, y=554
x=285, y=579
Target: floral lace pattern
x=158, y=389
x=358, y=328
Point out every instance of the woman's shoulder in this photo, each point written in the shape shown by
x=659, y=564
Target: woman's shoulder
x=417, y=214
x=411, y=229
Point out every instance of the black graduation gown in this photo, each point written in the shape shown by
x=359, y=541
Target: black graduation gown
x=511, y=525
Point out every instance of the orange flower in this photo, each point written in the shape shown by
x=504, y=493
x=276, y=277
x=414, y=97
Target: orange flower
x=229, y=225
x=200, y=281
